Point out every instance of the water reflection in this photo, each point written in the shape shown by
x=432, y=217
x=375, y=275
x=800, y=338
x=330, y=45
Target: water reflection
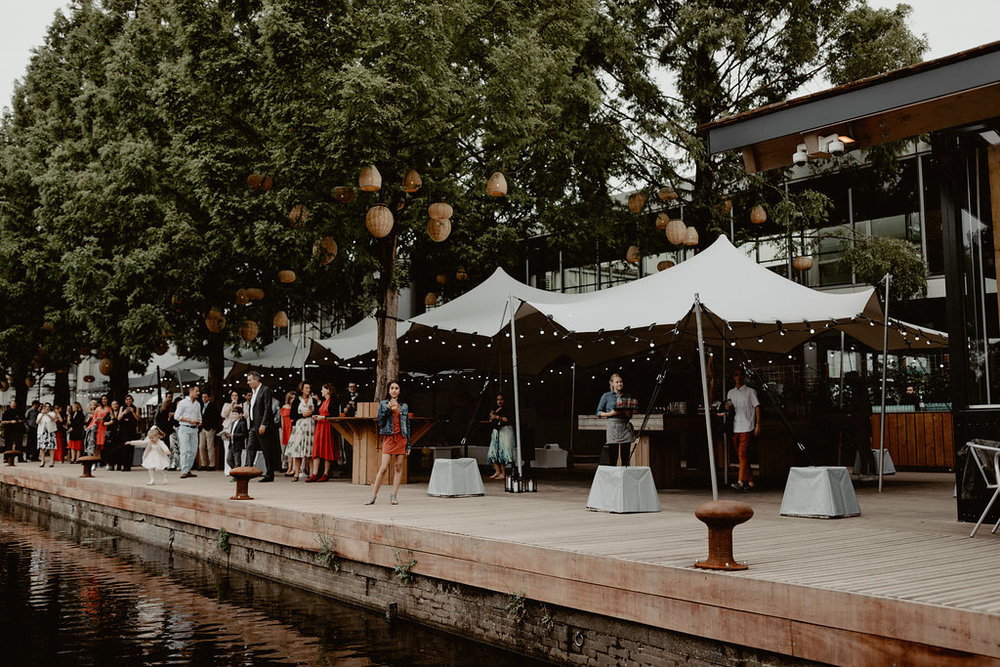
x=72, y=596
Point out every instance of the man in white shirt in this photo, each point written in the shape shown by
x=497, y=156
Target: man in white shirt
x=188, y=415
x=746, y=421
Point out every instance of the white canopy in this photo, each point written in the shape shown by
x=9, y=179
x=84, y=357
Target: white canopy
x=281, y=353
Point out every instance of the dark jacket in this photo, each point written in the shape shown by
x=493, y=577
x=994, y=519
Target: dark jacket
x=240, y=433
x=211, y=418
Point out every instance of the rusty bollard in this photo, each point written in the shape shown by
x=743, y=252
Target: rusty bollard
x=88, y=462
x=721, y=516
x=9, y=457
x=243, y=475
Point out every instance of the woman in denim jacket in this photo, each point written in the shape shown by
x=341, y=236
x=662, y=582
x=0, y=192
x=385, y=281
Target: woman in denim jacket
x=394, y=425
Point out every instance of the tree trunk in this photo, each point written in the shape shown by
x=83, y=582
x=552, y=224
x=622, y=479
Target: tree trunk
x=387, y=363
x=61, y=393
x=20, y=388
x=216, y=364
x=119, y=378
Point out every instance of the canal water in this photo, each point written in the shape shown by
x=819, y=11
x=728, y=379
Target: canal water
x=70, y=595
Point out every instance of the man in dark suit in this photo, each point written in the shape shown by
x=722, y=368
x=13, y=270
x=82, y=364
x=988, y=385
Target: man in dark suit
x=263, y=432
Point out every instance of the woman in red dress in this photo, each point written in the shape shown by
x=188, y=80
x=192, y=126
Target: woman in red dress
x=324, y=446
x=394, y=423
x=76, y=426
x=102, y=411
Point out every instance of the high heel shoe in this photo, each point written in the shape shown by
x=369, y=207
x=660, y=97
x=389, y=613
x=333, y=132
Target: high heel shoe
x=392, y=499
x=312, y=478
x=322, y=478
x=370, y=501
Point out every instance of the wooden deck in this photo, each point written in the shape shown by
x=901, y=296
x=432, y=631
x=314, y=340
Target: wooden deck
x=903, y=583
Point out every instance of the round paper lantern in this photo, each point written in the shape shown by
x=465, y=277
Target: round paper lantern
x=325, y=249
x=440, y=211
x=636, y=201
x=176, y=302
x=29, y=381
x=691, y=237
x=106, y=366
x=214, y=321
x=378, y=220
x=249, y=330
x=286, y=276
x=344, y=194
x=161, y=347
x=280, y=319
x=632, y=255
x=441, y=279
x=412, y=181
x=438, y=230
x=662, y=220
x=88, y=378
x=259, y=182
x=298, y=215
x=47, y=326
x=758, y=215
x=676, y=231
x=241, y=297
x=497, y=185
x=255, y=293
x=664, y=265
x=431, y=299
x=666, y=193
x=461, y=274
x=802, y=263
x=370, y=180
x=727, y=206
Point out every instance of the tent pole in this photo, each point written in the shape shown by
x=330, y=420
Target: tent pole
x=704, y=395
x=725, y=445
x=572, y=408
x=513, y=372
x=885, y=364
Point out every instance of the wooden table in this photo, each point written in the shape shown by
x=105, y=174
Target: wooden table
x=361, y=432
x=640, y=457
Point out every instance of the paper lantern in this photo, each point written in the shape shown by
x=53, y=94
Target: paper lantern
x=727, y=206
x=438, y=230
x=676, y=231
x=666, y=193
x=664, y=265
x=441, y=279
x=255, y=293
x=496, y=186
x=280, y=319
x=412, y=181
x=370, y=180
x=636, y=201
x=325, y=249
x=431, y=299
x=249, y=330
x=662, y=220
x=241, y=297
x=378, y=220
x=298, y=215
x=88, y=378
x=440, y=211
x=47, y=326
x=343, y=193
x=758, y=215
x=214, y=321
x=691, y=237
x=29, y=381
x=161, y=347
x=106, y=366
x=286, y=276
x=802, y=263
x=632, y=255
x=461, y=274
x=259, y=182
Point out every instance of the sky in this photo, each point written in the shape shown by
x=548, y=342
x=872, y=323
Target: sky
x=950, y=25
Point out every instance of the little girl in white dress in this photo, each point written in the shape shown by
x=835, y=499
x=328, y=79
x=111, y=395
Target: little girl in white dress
x=157, y=454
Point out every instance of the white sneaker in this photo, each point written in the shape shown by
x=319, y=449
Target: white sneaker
x=150, y=483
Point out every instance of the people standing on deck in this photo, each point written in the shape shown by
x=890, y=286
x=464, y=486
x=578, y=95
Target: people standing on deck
x=501, y=452
x=350, y=409
x=60, y=452
x=164, y=420
x=300, y=444
x=210, y=423
x=45, y=431
x=31, y=442
x=237, y=437
x=617, y=409
x=264, y=424
x=323, y=441
x=128, y=429
x=101, y=432
x=188, y=415
x=286, y=431
x=77, y=423
x=393, y=421
x=110, y=451
x=746, y=423
x=226, y=432
x=90, y=433
x=13, y=428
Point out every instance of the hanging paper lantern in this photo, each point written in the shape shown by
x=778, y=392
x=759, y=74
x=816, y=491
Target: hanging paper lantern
x=758, y=215
x=461, y=274
x=802, y=263
x=249, y=330
x=662, y=220
x=29, y=381
x=214, y=321
x=431, y=299
x=161, y=347
x=344, y=194
x=88, y=378
x=636, y=201
x=298, y=215
x=255, y=293
x=286, y=276
x=47, y=326
x=412, y=181
x=325, y=249
x=441, y=279
x=106, y=366
x=691, y=237
x=497, y=185
x=664, y=265
x=280, y=319
x=440, y=211
x=379, y=221
x=370, y=180
x=676, y=231
x=438, y=230
x=666, y=193
x=632, y=255
x=241, y=297
x=259, y=182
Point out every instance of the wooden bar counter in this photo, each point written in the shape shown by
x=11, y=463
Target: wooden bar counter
x=640, y=457
x=361, y=432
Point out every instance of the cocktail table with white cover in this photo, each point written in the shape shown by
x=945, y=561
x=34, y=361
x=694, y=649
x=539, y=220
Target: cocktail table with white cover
x=451, y=478
x=623, y=490
x=820, y=492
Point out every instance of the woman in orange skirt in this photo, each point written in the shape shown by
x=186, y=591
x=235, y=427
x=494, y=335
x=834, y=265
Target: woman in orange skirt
x=324, y=446
x=394, y=424
x=103, y=410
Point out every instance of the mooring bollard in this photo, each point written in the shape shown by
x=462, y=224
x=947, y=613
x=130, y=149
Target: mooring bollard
x=721, y=516
x=9, y=457
x=243, y=475
x=88, y=462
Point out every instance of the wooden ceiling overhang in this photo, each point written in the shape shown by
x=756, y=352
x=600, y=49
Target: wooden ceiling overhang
x=949, y=92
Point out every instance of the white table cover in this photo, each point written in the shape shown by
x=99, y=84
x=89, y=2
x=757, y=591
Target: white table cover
x=823, y=492
x=623, y=490
x=887, y=467
x=455, y=477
